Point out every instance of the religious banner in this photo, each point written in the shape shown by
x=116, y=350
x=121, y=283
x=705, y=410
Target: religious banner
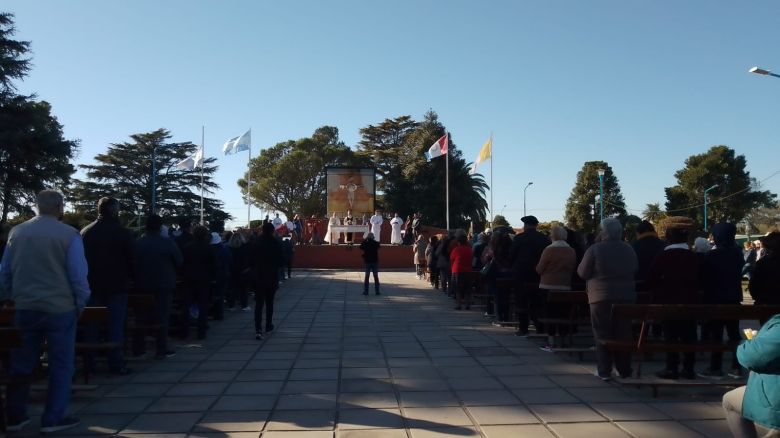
x=351, y=189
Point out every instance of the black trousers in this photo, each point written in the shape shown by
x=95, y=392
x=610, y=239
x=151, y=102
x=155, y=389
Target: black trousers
x=197, y=294
x=680, y=332
x=264, y=296
x=713, y=332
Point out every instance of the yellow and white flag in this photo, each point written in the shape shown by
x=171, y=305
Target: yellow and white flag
x=485, y=154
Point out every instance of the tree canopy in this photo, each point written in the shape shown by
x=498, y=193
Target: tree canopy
x=290, y=176
x=582, y=210
x=33, y=151
x=125, y=173
x=736, y=193
x=653, y=213
x=412, y=184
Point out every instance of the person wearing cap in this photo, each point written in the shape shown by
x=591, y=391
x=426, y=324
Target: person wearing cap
x=198, y=272
x=110, y=251
x=370, y=248
x=527, y=248
x=765, y=282
x=157, y=260
x=721, y=279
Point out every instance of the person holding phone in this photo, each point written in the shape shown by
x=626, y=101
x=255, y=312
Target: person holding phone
x=758, y=403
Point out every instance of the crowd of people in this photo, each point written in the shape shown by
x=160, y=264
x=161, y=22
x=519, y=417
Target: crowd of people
x=49, y=272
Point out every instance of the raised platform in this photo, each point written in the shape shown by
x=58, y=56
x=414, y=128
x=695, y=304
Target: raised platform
x=349, y=257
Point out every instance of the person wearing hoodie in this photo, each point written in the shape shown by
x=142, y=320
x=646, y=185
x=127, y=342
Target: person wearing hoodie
x=765, y=282
x=722, y=284
x=757, y=403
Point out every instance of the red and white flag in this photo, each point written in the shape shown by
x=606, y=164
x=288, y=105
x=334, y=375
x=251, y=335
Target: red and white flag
x=439, y=148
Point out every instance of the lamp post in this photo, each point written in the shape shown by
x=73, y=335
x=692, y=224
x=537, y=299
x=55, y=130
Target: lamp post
x=526, y=188
x=154, y=172
x=705, y=204
x=761, y=71
x=601, y=193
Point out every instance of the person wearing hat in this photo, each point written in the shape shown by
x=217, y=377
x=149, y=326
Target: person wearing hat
x=527, y=248
x=109, y=248
x=765, y=282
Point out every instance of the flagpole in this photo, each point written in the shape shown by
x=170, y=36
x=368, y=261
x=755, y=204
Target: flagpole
x=249, y=185
x=491, y=179
x=202, y=164
x=447, y=177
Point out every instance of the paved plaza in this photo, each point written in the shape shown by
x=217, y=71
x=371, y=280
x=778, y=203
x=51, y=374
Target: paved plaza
x=403, y=364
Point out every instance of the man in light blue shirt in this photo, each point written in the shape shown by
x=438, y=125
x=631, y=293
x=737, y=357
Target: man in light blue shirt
x=44, y=272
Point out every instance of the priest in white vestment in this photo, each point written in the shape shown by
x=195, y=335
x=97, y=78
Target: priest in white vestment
x=331, y=237
x=376, y=225
x=395, y=237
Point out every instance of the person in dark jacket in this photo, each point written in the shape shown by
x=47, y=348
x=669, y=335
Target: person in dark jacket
x=109, y=248
x=722, y=284
x=430, y=260
x=750, y=255
x=222, y=275
x=443, y=262
x=647, y=247
x=183, y=236
x=673, y=278
x=526, y=251
x=370, y=248
x=266, y=259
x=157, y=259
x=198, y=272
x=765, y=281
x=287, y=254
x=239, y=265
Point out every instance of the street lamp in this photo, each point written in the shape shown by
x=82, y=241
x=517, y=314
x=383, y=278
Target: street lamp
x=154, y=171
x=705, y=204
x=761, y=71
x=526, y=188
x=601, y=192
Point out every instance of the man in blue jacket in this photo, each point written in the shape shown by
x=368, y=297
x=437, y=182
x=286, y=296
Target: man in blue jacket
x=758, y=403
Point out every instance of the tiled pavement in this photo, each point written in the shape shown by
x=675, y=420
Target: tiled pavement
x=403, y=364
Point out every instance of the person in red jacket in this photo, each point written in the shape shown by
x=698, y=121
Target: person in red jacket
x=460, y=261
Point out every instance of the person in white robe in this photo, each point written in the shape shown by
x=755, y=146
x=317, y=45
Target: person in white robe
x=395, y=237
x=376, y=225
x=330, y=237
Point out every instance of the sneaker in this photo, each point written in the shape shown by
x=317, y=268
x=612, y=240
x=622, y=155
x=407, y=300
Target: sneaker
x=710, y=374
x=604, y=378
x=259, y=336
x=64, y=424
x=668, y=374
x=496, y=324
x=269, y=328
x=547, y=348
x=17, y=425
x=246, y=309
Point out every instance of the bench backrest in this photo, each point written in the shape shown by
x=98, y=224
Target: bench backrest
x=696, y=312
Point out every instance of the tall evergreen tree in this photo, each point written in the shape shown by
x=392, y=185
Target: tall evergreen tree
x=125, y=172
x=33, y=151
x=582, y=210
x=736, y=195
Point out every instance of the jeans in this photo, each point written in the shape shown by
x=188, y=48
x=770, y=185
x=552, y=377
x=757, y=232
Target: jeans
x=117, y=310
x=264, y=296
x=740, y=426
x=59, y=330
x=371, y=267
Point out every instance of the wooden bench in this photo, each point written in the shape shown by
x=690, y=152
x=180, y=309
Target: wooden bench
x=100, y=317
x=647, y=314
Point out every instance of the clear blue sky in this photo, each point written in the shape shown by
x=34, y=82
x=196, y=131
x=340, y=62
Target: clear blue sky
x=642, y=85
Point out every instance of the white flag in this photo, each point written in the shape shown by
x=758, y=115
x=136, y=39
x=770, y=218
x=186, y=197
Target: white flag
x=191, y=162
x=238, y=144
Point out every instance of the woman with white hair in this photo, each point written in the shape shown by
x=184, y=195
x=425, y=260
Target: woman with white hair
x=608, y=267
x=701, y=245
